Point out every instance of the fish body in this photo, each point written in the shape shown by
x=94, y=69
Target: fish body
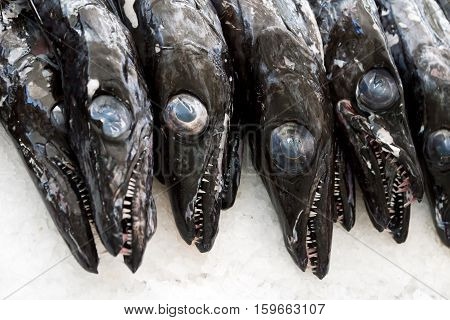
x=31, y=110
x=421, y=46
x=110, y=117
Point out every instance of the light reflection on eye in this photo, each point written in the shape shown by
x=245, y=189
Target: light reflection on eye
x=438, y=147
x=185, y=114
x=111, y=116
x=58, y=119
x=377, y=90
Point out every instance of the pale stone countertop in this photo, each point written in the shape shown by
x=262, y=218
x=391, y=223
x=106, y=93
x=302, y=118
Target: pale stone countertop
x=248, y=261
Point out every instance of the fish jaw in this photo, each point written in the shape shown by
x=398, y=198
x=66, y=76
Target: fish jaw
x=344, y=193
x=108, y=110
x=303, y=204
x=192, y=168
x=43, y=142
x=138, y=219
x=388, y=174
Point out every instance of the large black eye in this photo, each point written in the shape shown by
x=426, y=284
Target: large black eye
x=438, y=147
x=186, y=115
x=377, y=90
x=111, y=117
x=292, y=148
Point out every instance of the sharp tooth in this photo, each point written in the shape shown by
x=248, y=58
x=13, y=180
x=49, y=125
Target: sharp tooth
x=127, y=203
x=126, y=210
x=204, y=180
x=201, y=191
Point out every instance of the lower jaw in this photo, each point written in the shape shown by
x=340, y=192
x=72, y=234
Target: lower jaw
x=400, y=231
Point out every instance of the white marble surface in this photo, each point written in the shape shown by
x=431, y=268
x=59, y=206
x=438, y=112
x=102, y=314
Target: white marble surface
x=248, y=261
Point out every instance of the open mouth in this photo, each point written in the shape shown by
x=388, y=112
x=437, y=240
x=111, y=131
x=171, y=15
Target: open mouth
x=78, y=186
x=128, y=208
x=337, y=193
x=343, y=190
x=199, y=217
x=386, y=171
x=396, y=183
x=207, y=188
x=207, y=202
x=311, y=228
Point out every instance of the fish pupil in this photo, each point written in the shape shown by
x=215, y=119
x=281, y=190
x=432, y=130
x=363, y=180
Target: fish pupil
x=185, y=112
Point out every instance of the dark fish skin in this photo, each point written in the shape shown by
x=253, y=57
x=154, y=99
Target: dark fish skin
x=368, y=97
x=445, y=6
x=187, y=65
x=421, y=47
x=110, y=118
x=276, y=47
x=30, y=94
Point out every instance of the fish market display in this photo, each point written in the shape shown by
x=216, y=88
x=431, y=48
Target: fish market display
x=368, y=97
x=188, y=68
x=420, y=43
x=110, y=118
x=279, y=44
x=99, y=96
x=32, y=112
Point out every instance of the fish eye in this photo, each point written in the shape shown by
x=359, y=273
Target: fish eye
x=58, y=118
x=186, y=115
x=438, y=148
x=110, y=116
x=377, y=90
x=292, y=148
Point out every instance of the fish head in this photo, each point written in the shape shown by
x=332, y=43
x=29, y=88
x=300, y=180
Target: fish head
x=112, y=132
x=371, y=114
x=434, y=72
x=194, y=134
x=33, y=114
x=120, y=144
x=298, y=175
x=293, y=146
x=437, y=155
x=192, y=80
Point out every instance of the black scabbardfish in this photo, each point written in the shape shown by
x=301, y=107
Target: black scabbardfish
x=31, y=110
x=110, y=116
x=420, y=43
x=188, y=68
x=277, y=48
x=369, y=103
